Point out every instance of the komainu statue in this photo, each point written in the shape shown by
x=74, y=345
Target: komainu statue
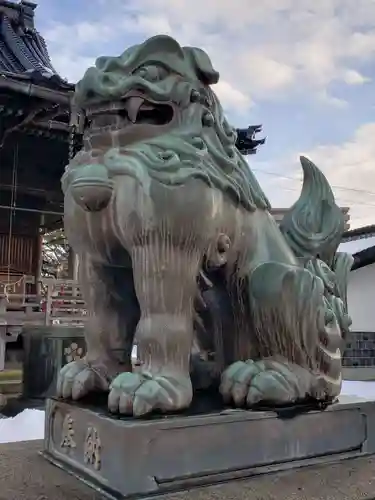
x=180, y=255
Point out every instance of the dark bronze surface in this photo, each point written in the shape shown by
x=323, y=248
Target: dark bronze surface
x=145, y=457
x=46, y=351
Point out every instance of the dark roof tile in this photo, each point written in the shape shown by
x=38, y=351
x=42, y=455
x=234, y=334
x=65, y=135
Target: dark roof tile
x=23, y=51
x=359, y=232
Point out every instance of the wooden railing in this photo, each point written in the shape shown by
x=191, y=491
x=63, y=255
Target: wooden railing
x=59, y=302
x=63, y=303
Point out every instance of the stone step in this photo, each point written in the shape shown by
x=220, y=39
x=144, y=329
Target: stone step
x=11, y=383
x=9, y=375
x=11, y=388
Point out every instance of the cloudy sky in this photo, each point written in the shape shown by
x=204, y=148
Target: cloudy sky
x=302, y=68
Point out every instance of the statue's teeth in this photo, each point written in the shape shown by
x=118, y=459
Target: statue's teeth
x=132, y=105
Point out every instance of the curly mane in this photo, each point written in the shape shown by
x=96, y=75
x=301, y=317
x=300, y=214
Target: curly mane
x=202, y=146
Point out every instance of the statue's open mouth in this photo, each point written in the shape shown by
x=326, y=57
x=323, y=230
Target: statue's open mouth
x=132, y=110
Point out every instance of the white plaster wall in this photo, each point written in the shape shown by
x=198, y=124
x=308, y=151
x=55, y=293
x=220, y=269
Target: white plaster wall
x=361, y=299
x=357, y=245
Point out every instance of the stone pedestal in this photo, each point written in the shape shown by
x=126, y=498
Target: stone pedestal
x=46, y=350
x=127, y=457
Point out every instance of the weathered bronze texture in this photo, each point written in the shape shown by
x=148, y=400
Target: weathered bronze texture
x=124, y=458
x=179, y=253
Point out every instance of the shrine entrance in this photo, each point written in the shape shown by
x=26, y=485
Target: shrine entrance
x=34, y=148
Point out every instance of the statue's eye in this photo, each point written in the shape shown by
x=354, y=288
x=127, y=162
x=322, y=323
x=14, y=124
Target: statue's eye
x=142, y=72
x=151, y=73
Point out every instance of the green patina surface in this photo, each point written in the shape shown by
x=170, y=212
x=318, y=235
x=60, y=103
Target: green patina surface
x=293, y=282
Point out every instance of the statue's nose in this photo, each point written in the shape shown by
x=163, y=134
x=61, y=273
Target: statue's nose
x=91, y=188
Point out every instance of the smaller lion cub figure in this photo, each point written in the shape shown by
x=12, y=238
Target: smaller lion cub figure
x=177, y=247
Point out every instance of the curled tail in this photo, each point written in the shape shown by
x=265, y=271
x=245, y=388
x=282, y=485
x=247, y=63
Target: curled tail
x=314, y=225
x=313, y=229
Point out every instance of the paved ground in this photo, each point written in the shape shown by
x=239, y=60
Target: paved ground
x=26, y=476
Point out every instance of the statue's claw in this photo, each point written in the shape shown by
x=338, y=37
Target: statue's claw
x=77, y=379
x=140, y=393
x=251, y=382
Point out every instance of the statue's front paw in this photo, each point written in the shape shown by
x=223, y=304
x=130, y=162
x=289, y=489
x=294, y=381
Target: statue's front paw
x=251, y=382
x=140, y=393
x=77, y=379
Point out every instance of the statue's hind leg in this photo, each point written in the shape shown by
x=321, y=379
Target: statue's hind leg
x=113, y=316
x=165, y=282
x=297, y=337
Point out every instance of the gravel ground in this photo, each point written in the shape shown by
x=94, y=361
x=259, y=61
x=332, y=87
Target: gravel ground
x=24, y=475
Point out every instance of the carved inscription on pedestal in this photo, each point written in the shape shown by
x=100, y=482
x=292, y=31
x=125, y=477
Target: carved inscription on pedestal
x=92, y=451
x=67, y=438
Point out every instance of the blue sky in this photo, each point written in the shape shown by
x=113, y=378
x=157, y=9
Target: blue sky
x=302, y=68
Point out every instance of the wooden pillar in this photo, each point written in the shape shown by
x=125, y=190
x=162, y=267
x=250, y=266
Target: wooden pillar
x=38, y=264
x=2, y=348
x=72, y=265
x=76, y=266
x=20, y=245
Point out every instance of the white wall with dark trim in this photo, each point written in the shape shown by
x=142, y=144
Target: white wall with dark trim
x=357, y=245
x=361, y=299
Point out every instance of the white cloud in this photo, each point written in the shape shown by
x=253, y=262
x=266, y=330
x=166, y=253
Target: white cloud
x=268, y=49
x=262, y=49
x=349, y=167
x=79, y=34
x=71, y=66
x=274, y=45
x=265, y=73
x=231, y=98
x=144, y=23
x=352, y=77
x=324, y=97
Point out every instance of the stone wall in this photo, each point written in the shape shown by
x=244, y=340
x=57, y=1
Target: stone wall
x=360, y=350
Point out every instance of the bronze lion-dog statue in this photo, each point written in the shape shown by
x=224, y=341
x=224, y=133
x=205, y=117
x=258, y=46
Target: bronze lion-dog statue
x=179, y=253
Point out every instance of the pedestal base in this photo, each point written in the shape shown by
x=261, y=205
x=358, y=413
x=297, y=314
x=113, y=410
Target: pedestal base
x=124, y=458
x=46, y=350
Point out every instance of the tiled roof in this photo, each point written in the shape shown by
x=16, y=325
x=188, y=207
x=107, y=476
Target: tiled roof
x=23, y=51
x=246, y=142
x=360, y=233
x=360, y=242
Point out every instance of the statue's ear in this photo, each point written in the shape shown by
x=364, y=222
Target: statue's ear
x=202, y=65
